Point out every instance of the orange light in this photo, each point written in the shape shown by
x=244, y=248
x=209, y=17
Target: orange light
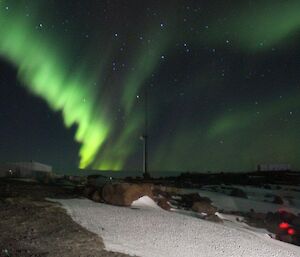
x=284, y=225
x=291, y=231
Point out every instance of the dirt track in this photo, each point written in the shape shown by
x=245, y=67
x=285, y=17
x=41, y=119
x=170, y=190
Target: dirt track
x=32, y=226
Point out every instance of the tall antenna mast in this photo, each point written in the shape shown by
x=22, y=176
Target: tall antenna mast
x=145, y=138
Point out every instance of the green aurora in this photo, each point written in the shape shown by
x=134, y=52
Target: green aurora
x=89, y=98
x=40, y=60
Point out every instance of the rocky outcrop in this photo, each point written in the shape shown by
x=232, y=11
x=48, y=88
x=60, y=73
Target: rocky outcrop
x=204, y=207
x=164, y=204
x=187, y=201
x=123, y=194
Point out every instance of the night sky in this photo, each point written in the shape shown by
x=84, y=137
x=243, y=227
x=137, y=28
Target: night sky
x=222, y=79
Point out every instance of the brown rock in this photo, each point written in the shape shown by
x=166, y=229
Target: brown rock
x=159, y=192
x=123, y=194
x=97, y=197
x=164, y=204
x=204, y=207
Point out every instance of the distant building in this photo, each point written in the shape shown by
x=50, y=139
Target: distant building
x=274, y=167
x=25, y=170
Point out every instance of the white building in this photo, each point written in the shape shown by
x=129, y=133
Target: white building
x=25, y=170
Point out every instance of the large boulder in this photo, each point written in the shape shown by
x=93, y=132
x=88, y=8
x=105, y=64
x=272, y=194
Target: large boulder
x=204, y=207
x=123, y=194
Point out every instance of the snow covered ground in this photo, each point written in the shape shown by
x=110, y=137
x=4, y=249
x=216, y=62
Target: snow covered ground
x=146, y=230
x=257, y=199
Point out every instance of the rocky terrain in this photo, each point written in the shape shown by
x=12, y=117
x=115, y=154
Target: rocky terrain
x=167, y=197
x=34, y=227
x=32, y=224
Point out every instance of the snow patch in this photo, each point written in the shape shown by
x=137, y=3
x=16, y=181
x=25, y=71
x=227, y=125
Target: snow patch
x=145, y=202
x=149, y=232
